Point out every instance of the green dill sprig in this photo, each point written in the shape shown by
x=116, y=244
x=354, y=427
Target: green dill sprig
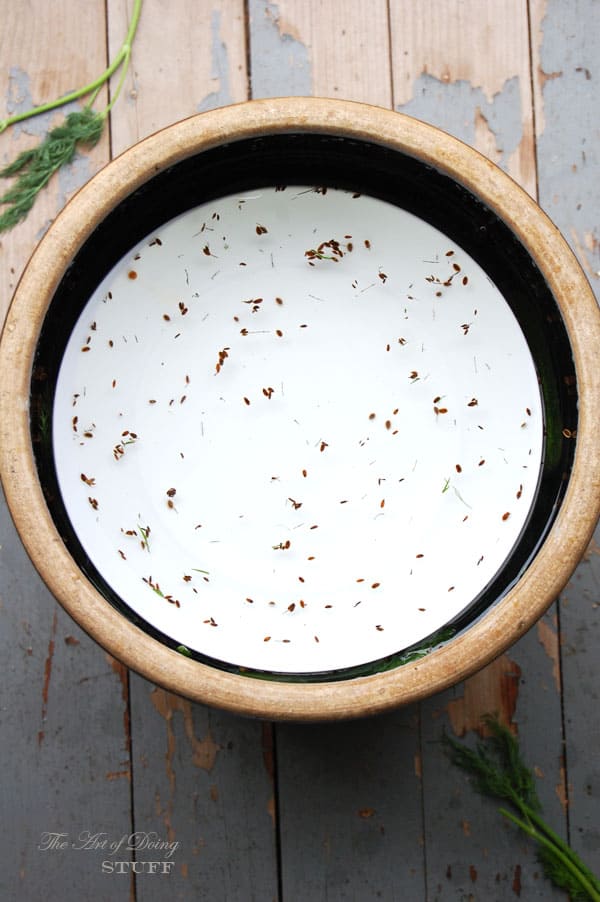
x=34, y=168
x=498, y=771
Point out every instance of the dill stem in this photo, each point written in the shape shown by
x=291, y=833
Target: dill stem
x=122, y=57
x=538, y=830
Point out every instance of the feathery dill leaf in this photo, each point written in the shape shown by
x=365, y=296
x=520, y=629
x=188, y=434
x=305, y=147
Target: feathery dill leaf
x=498, y=770
x=35, y=167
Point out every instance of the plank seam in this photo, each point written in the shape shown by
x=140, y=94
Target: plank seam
x=563, y=722
x=278, y=842
x=390, y=54
x=533, y=100
x=248, y=48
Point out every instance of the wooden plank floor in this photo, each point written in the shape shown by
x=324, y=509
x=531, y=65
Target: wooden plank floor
x=367, y=810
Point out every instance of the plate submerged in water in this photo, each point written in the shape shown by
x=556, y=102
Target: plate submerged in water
x=297, y=429
x=302, y=390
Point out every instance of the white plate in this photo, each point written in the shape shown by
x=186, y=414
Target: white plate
x=297, y=462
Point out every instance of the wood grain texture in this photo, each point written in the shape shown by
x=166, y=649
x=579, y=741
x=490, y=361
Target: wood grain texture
x=351, y=810
x=188, y=56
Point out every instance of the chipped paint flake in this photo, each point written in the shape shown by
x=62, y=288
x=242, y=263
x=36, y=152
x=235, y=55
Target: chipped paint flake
x=280, y=61
x=48, y=675
x=549, y=641
x=418, y=765
x=464, y=111
x=204, y=751
x=221, y=96
x=72, y=177
x=495, y=688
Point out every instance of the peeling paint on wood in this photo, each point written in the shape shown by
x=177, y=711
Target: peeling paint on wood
x=549, y=641
x=565, y=54
x=452, y=70
x=19, y=100
x=204, y=751
x=47, y=676
x=280, y=62
x=219, y=73
x=493, y=690
x=495, y=127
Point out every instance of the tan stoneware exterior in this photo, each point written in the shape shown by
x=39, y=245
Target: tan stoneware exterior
x=494, y=632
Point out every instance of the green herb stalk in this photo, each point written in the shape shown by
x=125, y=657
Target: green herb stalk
x=34, y=168
x=499, y=771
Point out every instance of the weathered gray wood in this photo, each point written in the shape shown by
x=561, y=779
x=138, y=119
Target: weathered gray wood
x=580, y=632
x=471, y=851
x=64, y=750
x=350, y=810
x=203, y=780
x=567, y=46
